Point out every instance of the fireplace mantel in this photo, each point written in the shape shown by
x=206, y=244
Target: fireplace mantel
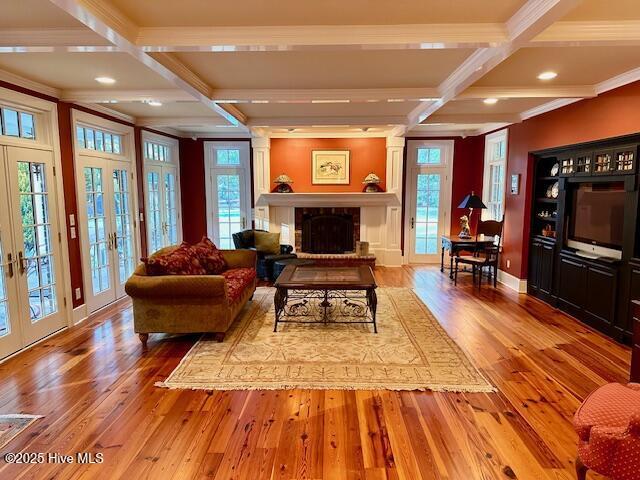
x=328, y=199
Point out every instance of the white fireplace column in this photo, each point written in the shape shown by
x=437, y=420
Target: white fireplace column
x=393, y=220
x=261, y=179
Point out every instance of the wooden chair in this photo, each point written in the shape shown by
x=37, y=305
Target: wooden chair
x=487, y=257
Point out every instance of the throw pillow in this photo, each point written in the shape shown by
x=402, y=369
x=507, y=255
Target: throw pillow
x=267, y=242
x=210, y=257
x=181, y=261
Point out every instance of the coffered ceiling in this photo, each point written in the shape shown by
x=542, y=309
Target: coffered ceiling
x=358, y=66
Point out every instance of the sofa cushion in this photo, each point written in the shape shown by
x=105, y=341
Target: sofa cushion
x=267, y=242
x=180, y=261
x=238, y=279
x=209, y=257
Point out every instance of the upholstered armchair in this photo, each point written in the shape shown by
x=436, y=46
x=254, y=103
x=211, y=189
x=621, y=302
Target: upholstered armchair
x=608, y=428
x=246, y=240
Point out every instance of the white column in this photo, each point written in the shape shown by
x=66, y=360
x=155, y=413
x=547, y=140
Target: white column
x=393, y=221
x=261, y=179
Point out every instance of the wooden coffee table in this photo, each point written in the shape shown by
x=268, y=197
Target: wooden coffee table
x=315, y=294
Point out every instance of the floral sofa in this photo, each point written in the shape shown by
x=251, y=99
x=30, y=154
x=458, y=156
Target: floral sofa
x=191, y=289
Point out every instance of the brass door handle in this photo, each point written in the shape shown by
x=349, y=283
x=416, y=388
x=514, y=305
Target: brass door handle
x=21, y=263
x=413, y=222
x=10, y=264
x=115, y=241
x=109, y=242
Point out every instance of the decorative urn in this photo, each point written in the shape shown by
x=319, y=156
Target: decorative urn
x=372, y=182
x=284, y=184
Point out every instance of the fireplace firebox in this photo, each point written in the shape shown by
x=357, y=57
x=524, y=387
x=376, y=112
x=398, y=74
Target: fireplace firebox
x=327, y=230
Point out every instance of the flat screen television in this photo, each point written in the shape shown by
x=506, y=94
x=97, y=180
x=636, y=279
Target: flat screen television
x=597, y=219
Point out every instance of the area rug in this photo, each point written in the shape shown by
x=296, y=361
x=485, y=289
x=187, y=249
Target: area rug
x=411, y=351
x=12, y=425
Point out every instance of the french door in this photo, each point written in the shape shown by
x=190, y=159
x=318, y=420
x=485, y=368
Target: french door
x=428, y=198
x=163, y=207
x=107, y=226
x=31, y=287
x=228, y=191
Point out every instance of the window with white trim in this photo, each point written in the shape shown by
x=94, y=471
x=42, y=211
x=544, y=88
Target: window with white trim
x=99, y=140
x=16, y=123
x=495, y=164
x=157, y=151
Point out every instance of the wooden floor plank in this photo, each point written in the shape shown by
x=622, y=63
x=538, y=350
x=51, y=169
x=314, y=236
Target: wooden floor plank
x=95, y=385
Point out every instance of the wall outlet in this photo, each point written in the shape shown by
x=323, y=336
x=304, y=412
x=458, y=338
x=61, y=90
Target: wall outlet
x=508, y=263
x=78, y=293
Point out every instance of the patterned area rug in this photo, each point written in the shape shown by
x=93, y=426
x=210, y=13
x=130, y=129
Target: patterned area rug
x=411, y=351
x=13, y=424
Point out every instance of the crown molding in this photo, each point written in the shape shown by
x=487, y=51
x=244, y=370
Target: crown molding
x=618, y=81
x=24, y=82
x=547, y=107
x=346, y=121
x=107, y=111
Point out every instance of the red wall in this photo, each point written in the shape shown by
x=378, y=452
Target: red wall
x=192, y=187
x=468, y=161
x=292, y=156
x=611, y=114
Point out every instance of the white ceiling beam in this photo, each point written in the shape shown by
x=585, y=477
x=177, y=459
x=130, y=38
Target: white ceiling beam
x=109, y=96
x=363, y=121
x=530, y=20
x=547, y=91
x=417, y=36
x=61, y=38
x=597, y=33
x=323, y=95
x=111, y=24
x=547, y=107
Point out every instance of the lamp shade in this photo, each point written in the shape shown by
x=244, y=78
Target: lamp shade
x=472, y=201
x=372, y=178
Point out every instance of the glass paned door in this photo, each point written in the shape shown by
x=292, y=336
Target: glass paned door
x=155, y=232
x=36, y=242
x=10, y=334
x=107, y=228
x=229, y=216
x=163, y=211
x=428, y=198
x=122, y=236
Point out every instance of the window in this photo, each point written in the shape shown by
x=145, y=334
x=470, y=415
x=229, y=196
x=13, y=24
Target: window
x=157, y=152
x=14, y=123
x=429, y=156
x=99, y=140
x=495, y=158
x=226, y=157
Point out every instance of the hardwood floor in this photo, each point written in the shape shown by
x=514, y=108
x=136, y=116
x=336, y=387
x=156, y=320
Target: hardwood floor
x=95, y=386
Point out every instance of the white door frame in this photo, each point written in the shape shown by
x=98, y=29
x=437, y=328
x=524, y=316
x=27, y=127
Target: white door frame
x=47, y=138
x=128, y=156
x=209, y=165
x=174, y=163
x=446, y=167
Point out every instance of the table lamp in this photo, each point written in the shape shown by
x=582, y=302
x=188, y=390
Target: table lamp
x=471, y=201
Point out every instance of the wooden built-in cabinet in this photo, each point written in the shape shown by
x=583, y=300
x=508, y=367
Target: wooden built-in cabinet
x=599, y=292
x=635, y=349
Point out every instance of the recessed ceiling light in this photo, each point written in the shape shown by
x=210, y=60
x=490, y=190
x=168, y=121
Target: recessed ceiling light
x=154, y=103
x=105, y=80
x=547, y=75
x=490, y=101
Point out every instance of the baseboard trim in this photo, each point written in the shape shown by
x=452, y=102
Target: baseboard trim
x=514, y=283
x=80, y=314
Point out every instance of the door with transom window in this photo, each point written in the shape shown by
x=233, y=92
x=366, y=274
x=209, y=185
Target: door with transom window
x=162, y=192
x=428, y=198
x=228, y=191
x=31, y=286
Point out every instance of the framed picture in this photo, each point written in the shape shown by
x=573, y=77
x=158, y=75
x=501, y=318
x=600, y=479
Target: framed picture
x=330, y=167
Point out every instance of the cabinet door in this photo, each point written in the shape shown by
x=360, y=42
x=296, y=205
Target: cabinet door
x=546, y=268
x=601, y=295
x=573, y=282
x=533, y=282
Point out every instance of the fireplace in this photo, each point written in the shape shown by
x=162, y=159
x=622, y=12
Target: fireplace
x=327, y=230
